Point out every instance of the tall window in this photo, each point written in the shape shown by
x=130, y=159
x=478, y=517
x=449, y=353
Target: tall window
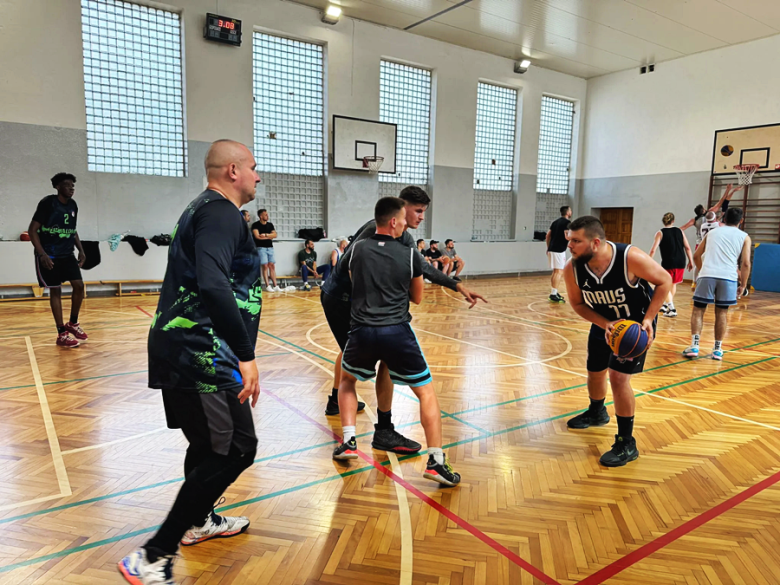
x=405, y=100
x=553, y=170
x=133, y=89
x=494, y=162
x=288, y=131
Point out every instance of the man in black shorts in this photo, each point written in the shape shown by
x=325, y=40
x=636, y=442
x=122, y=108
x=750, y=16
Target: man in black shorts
x=385, y=274
x=336, y=303
x=556, y=251
x=202, y=357
x=434, y=255
x=608, y=282
x=53, y=235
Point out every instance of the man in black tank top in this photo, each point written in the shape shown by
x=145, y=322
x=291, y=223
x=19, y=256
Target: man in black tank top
x=675, y=250
x=608, y=282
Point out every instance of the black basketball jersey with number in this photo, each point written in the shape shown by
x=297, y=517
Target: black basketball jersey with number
x=612, y=296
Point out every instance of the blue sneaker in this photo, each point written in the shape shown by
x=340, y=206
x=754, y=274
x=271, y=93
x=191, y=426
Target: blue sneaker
x=691, y=352
x=717, y=354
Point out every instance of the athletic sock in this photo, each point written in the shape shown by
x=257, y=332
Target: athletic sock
x=670, y=305
x=385, y=419
x=718, y=345
x=349, y=433
x=695, y=340
x=596, y=405
x=334, y=394
x=554, y=292
x=625, y=426
x=61, y=329
x=74, y=319
x=438, y=454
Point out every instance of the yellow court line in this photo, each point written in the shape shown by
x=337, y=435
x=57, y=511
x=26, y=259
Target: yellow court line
x=31, y=502
x=404, y=515
x=51, y=432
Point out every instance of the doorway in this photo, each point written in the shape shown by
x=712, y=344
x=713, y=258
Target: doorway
x=618, y=223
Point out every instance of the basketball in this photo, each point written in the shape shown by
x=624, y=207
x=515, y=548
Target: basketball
x=727, y=150
x=628, y=339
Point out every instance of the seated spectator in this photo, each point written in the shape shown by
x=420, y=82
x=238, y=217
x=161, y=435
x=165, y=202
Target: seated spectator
x=451, y=260
x=247, y=216
x=434, y=255
x=307, y=260
x=335, y=256
x=421, y=249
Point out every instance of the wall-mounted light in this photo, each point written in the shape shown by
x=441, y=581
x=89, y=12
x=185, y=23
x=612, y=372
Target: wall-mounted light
x=522, y=66
x=332, y=14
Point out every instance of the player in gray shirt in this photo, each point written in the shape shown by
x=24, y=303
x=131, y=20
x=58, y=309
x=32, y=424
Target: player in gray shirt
x=385, y=275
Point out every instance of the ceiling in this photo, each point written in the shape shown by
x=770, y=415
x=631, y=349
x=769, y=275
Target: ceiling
x=585, y=38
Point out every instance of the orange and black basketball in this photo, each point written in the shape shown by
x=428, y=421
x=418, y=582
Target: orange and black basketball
x=628, y=339
x=727, y=150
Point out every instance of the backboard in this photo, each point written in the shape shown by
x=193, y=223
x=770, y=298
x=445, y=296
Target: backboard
x=354, y=138
x=751, y=145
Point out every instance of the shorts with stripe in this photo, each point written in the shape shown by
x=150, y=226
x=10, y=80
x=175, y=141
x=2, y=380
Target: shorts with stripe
x=395, y=345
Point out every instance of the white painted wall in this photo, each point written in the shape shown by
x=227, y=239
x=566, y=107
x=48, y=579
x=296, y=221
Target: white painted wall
x=664, y=122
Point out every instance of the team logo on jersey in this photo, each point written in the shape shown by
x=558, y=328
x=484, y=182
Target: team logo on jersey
x=604, y=297
x=586, y=284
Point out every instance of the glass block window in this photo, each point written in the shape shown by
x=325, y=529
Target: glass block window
x=289, y=130
x=133, y=89
x=555, y=134
x=288, y=106
x=405, y=100
x=495, y=143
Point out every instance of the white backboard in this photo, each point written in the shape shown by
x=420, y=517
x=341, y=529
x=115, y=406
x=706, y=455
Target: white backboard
x=354, y=138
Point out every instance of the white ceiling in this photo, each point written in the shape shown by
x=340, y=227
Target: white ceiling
x=585, y=38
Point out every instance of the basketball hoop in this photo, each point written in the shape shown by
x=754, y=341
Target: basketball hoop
x=373, y=163
x=745, y=173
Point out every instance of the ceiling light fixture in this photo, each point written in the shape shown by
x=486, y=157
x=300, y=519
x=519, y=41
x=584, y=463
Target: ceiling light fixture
x=331, y=14
x=522, y=66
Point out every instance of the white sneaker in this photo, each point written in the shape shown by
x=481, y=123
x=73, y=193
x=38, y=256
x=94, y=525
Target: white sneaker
x=278, y=288
x=290, y=289
x=427, y=281
x=216, y=527
x=137, y=569
x=269, y=288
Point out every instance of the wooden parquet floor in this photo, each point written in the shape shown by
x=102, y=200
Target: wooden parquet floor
x=89, y=469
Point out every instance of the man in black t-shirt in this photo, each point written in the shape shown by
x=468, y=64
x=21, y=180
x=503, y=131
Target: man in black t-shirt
x=434, y=254
x=264, y=233
x=202, y=357
x=307, y=262
x=556, y=251
x=385, y=274
x=53, y=235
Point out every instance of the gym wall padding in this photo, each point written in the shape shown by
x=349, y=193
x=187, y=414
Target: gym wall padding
x=766, y=268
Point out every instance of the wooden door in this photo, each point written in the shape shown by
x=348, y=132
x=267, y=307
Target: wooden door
x=618, y=223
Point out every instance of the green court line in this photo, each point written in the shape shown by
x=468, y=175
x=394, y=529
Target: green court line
x=120, y=537
x=446, y=414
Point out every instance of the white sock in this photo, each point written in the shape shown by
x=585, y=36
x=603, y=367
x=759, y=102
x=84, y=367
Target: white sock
x=438, y=454
x=718, y=345
x=554, y=292
x=670, y=305
x=695, y=340
x=348, y=432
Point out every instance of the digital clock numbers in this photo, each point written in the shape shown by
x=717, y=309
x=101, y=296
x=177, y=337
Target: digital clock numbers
x=222, y=30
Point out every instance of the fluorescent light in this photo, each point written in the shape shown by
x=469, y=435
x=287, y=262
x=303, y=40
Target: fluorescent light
x=333, y=11
x=525, y=63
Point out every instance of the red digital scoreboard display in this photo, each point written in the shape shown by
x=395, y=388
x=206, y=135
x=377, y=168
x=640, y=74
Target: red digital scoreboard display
x=222, y=29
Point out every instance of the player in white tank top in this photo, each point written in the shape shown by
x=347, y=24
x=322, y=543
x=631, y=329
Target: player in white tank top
x=722, y=252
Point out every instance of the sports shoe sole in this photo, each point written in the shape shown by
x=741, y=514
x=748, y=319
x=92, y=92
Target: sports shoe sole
x=220, y=535
x=602, y=424
x=717, y=358
x=621, y=463
x=337, y=411
x=438, y=478
x=346, y=456
x=400, y=449
x=690, y=355
x=68, y=346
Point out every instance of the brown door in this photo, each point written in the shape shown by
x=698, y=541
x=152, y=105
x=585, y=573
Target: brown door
x=618, y=223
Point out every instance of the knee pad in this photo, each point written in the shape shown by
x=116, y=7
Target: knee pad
x=699, y=305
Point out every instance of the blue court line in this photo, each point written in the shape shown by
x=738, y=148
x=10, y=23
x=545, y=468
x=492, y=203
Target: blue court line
x=120, y=537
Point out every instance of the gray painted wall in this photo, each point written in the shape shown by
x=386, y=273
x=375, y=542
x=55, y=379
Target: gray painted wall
x=651, y=196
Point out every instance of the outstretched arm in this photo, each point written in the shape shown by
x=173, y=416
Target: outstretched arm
x=656, y=242
x=644, y=267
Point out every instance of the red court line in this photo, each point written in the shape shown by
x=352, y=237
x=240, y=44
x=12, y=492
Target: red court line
x=498, y=547
x=145, y=312
x=668, y=538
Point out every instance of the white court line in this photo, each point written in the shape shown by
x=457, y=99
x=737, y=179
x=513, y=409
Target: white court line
x=51, y=432
x=109, y=443
x=31, y=502
x=404, y=515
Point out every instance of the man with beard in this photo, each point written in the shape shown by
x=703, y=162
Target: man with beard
x=606, y=283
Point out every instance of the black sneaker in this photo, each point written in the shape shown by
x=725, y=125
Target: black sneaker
x=589, y=419
x=332, y=408
x=556, y=299
x=561, y=299
x=392, y=440
x=346, y=450
x=457, y=279
x=444, y=474
x=622, y=452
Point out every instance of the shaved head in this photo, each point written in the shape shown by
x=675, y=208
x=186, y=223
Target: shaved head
x=225, y=152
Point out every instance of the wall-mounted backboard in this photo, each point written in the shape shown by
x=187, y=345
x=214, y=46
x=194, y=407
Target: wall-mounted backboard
x=751, y=145
x=355, y=138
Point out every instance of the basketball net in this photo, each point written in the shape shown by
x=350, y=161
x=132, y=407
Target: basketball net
x=373, y=163
x=745, y=173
